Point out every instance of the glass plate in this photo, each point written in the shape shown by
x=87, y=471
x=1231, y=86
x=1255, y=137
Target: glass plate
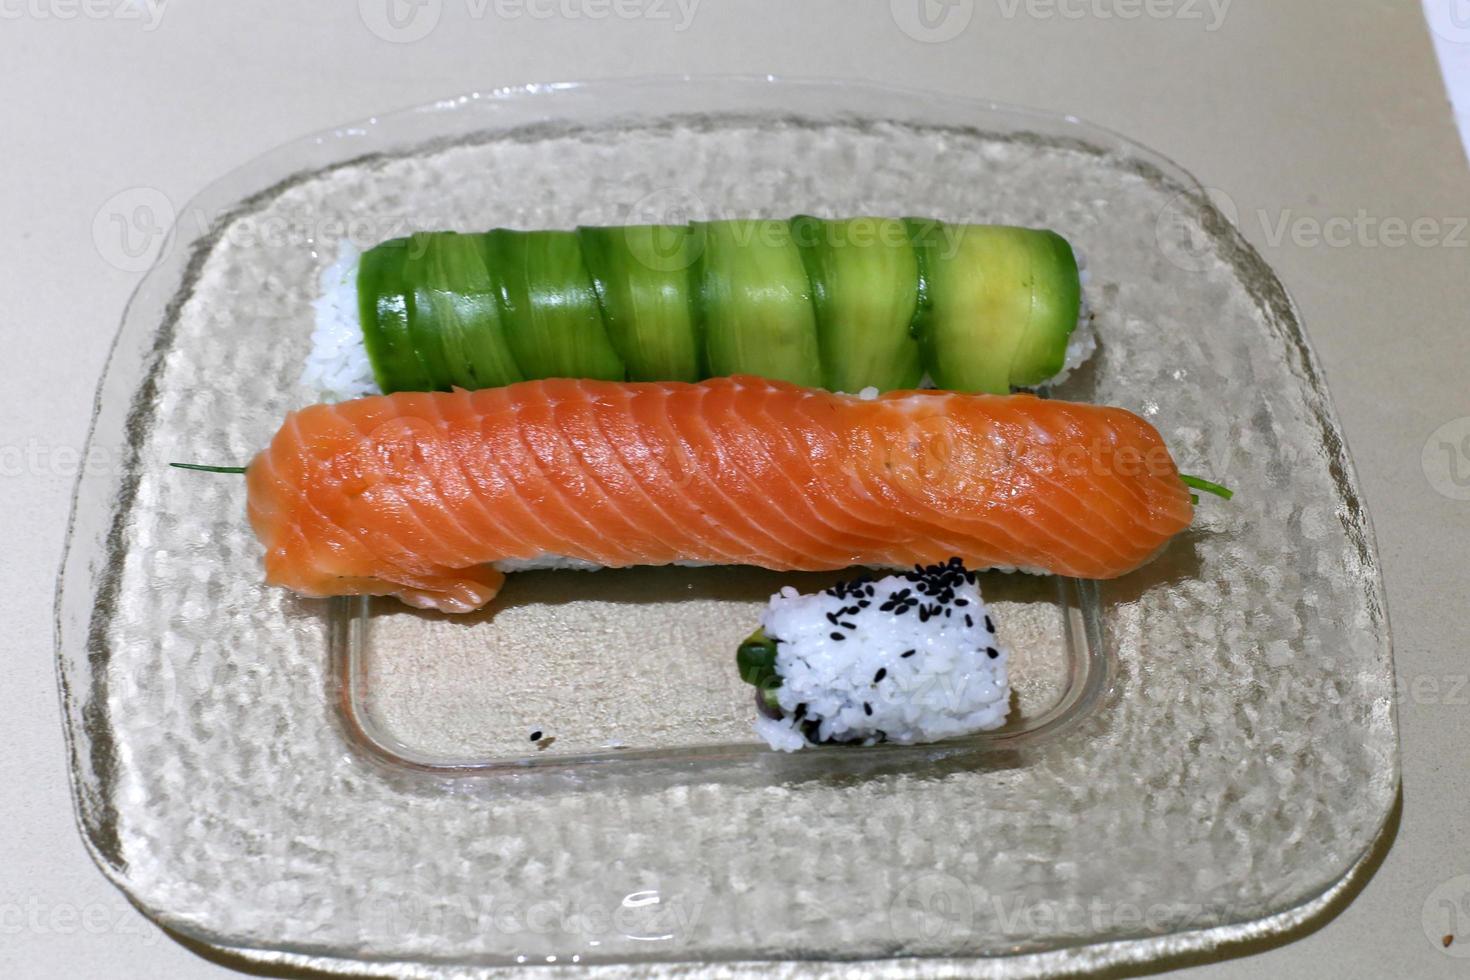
x=1204, y=749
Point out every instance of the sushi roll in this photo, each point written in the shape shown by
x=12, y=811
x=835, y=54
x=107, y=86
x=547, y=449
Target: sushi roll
x=889, y=303
x=434, y=496
x=905, y=658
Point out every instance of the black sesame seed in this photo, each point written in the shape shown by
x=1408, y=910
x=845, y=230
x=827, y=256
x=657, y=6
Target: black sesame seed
x=908, y=653
x=882, y=673
x=962, y=602
x=536, y=735
x=848, y=626
x=989, y=626
x=863, y=603
x=838, y=637
x=969, y=623
x=867, y=708
x=992, y=652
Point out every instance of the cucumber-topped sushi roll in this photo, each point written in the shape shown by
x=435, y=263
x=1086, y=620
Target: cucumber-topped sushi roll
x=886, y=303
x=905, y=658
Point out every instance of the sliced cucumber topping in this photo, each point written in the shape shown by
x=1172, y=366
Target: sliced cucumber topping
x=641, y=274
x=754, y=303
x=456, y=321
x=997, y=304
x=865, y=288
x=548, y=303
x=845, y=304
x=384, y=306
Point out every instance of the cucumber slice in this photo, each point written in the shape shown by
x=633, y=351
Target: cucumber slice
x=997, y=304
x=548, y=304
x=753, y=302
x=384, y=307
x=1056, y=303
x=427, y=318
x=455, y=312
x=865, y=288
x=642, y=277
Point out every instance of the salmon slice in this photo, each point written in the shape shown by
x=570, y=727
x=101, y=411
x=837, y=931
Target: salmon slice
x=419, y=495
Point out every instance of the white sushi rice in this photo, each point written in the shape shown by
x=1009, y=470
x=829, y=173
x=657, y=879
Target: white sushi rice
x=545, y=562
x=1082, y=344
x=862, y=663
x=337, y=368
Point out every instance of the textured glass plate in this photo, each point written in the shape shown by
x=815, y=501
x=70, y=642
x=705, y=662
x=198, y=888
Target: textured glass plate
x=1205, y=748
x=638, y=665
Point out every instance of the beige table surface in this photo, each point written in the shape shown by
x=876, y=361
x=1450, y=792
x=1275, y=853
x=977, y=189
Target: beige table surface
x=1299, y=111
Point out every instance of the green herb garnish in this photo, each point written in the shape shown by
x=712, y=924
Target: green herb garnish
x=1205, y=486
x=200, y=467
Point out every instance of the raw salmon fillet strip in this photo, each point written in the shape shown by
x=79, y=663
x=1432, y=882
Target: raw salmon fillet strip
x=419, y=495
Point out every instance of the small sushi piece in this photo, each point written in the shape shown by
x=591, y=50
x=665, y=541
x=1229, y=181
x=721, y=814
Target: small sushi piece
x=841, y=304
x=905, y=658
x=433, y=497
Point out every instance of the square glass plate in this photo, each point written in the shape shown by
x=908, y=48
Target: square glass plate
x=1203, y=750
